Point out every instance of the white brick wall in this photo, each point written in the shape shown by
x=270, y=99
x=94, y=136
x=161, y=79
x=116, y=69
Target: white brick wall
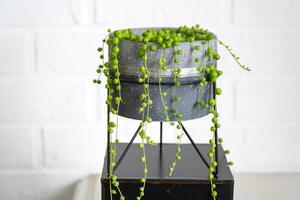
x=266, y=12
x=16, y=147
x=57, y=49
x=86, y=141
x=25, y=100
x=40, y=185
x=267, y=101
x=40, y=13
x=159, y=13
x=12, y=53
x=52, y=118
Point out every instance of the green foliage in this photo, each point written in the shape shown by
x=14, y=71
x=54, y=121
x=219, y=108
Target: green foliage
x=151, y=40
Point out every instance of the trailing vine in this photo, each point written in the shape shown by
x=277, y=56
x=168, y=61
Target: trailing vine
x=176, y=114
x=152, y=40
x=237, y=59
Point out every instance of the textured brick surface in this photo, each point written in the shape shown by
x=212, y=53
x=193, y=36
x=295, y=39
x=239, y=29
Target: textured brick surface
x=276, y=141
x=62, y=53
x=40, y=13
x=268, y=53
x=73, y=146
x=262, y=12
x=27, y=100
x=268, y=101
x=16, y=147
x=159, y=13
x=12, y=53
x=54, y=186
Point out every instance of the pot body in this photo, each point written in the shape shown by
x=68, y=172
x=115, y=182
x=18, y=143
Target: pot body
x=189, y=91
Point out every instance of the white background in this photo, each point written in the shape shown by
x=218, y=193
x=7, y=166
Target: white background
x=52, y=118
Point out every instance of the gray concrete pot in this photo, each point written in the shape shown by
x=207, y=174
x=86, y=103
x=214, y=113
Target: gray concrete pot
x=189, y=92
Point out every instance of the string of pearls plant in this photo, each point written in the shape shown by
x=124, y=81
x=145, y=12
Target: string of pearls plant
x=150, y=40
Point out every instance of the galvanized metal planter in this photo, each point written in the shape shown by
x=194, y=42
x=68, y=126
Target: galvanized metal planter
x=189, y=91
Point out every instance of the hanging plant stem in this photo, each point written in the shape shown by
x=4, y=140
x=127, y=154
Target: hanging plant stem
x=178, y=115
x=178, y=150
x=161, y=94
x=236, y=58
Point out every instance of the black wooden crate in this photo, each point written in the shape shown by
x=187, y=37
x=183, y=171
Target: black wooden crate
x=188, y=182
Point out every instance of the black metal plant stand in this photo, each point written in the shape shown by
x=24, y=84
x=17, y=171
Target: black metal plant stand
x=161, y=142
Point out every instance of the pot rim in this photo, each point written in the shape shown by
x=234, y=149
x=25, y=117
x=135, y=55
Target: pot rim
x=111, y=35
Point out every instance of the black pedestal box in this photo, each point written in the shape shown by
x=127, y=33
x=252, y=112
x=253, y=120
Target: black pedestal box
x=188, y=182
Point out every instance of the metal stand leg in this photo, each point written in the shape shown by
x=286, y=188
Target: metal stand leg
x=160, y=144
x=127, y=148
x=194, y=145
x=108, y=140
x=216, y=135
x=161, y=139
x=160, y=150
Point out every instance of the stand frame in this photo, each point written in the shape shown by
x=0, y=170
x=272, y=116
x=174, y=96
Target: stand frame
x=161, y=142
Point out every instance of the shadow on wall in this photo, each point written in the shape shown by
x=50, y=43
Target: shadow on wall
x=66, y=193
x=88, y=189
